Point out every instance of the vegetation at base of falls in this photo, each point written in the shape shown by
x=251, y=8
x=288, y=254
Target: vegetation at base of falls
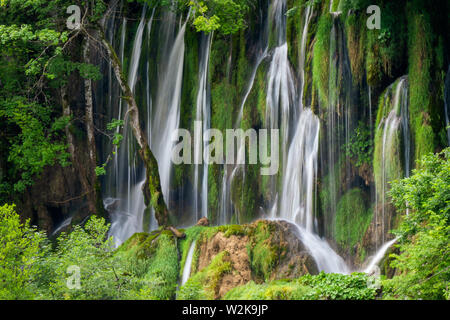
x=19, y=248
x=321, y=57
x=161, y=276
x=144, y=267
x=360, y=145
x=352, y=218
x=318, y=287
x=263, y=254
x=192, y=234
x=204, y=284
x=422, y=266
x=274, y=290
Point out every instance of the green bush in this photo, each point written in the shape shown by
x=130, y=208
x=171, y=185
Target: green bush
x=321, y=286
x=423, y=263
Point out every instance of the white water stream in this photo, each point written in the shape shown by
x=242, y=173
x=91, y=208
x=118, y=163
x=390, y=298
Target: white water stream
x=188, y=264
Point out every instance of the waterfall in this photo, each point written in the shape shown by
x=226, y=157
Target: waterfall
x=127, y=214
x=203, y=114
x=281, y=90
x=188, y=264
x=225, y=207
x=396, y=119
x=301, y=166
x=125, y=202
x=300, y=159
x=326, y=259
x=301, y=172
x=167, y=109
x=280, y=96
x=62, y=225
x=136, y=53
x=375, y=260
x=447, y=104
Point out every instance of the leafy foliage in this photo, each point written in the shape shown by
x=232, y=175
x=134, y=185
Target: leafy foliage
x=423, y=263
x=34, y=61
x=19, y=250
x=31, y=149
x=308, y=287
x=360, y=145
x=226, y=16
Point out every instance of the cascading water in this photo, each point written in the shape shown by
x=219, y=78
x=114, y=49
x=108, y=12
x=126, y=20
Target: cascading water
x=126, y=204
x=281, y=90
x=300, y=159
x=326, y=258
x=338, y=124
x=127, y=214
x=188, y=264
x=301, y=167
x=203, y=114
x=396, y=122
x=300, y=128
x=301, y=171
x=375, y=260
x=167, y=108
x=225, y=208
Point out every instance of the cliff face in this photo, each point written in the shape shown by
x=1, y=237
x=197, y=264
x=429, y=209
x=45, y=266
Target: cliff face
x=378, y=96
x=230, y=256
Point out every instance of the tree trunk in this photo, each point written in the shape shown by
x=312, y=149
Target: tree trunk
x=96, y=200
x=152, y=187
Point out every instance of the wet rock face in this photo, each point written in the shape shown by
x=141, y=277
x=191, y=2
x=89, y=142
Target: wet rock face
x=60, y=200
x=296, y=260
x=266, y=250
x=236, y=247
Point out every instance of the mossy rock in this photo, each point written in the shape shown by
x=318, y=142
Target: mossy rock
x=205, y=283
x=141, y=245
x=352, y=219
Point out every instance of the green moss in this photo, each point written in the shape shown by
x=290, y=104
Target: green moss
x=319, y=287
x=263, y=254
x=420, y=79
x=204, y=284
x=233, y=230
x=275, y=290
x=352, y=218
x=321, y=57
x=141, y=245
x=192, y=234
x=214, y=177
x=162, y=273
x=154, y=258
x=392, y=166
x=356, y=40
